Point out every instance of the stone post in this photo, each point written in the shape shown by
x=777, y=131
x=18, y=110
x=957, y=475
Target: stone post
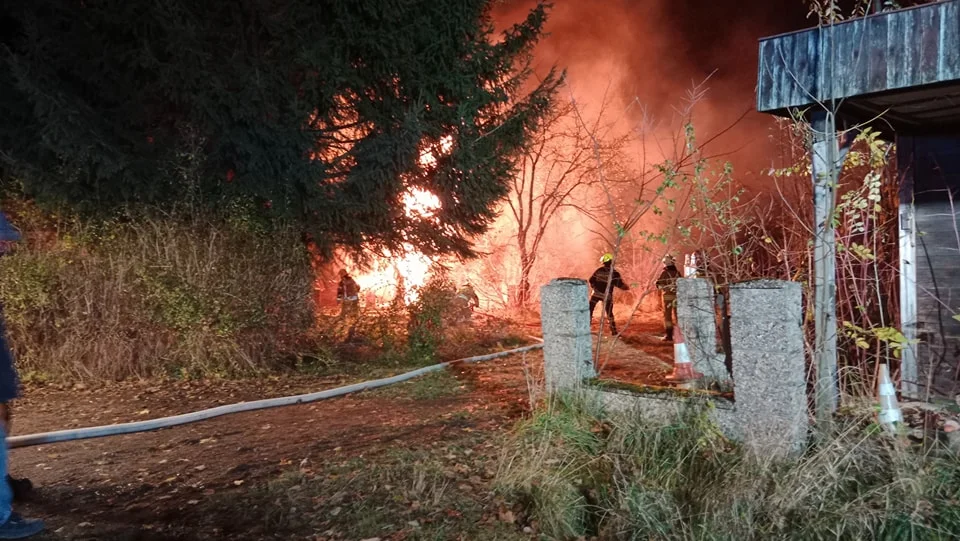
x=696, y=316
x=769, y=372
x=567, y=343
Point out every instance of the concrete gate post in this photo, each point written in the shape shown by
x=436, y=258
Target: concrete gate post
x=696, y=315
x=768, y=366
x=567, y=343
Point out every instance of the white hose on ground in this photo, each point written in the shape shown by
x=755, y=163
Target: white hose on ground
x=44, y=438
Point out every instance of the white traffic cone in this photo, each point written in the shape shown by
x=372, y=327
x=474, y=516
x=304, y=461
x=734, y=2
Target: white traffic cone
x=682, y=365
x=889, y=408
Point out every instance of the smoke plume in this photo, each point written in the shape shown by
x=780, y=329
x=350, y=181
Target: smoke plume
x=652, y=52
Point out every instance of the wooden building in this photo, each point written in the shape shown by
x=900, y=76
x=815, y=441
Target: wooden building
x=899, y=72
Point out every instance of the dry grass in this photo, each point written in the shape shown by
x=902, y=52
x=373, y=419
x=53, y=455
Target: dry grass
x=583, y=473
x=171, y=296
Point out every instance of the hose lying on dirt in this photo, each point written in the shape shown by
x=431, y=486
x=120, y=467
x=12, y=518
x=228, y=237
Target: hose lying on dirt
x=44, y=438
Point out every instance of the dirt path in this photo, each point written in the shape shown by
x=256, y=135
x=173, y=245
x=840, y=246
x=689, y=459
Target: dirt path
x=189, y=482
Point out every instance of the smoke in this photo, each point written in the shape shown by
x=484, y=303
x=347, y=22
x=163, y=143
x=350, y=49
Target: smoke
x=639, y=59
x=652, y=52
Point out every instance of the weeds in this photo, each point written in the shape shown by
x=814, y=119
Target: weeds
x=177, y=296
x=429, y=316
x=583, y=473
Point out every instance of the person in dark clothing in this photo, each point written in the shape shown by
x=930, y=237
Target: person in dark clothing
x=12, y=525
x=667, y=284
x=598, y=281
x=348, y=295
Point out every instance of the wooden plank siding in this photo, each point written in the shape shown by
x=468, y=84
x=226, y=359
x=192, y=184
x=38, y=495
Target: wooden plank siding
x=931, y=171
x=891, y=51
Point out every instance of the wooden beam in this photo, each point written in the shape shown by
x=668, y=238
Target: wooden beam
x=908, y=270
x=827, y=160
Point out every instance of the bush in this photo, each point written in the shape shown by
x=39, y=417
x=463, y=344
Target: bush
x=582, y=473
x=182, y=296
x=430, y=317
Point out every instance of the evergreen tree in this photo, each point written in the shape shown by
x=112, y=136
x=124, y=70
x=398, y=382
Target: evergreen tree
x=315, y=110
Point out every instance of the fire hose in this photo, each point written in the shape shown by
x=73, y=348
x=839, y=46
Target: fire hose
x=44, y=438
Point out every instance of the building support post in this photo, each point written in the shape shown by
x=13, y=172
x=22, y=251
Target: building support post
x=827, y=157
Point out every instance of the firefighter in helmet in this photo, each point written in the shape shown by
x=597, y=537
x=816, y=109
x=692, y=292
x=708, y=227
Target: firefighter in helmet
x=466, y=302
x=667, y=284
x=598, y=281
x=348, y=296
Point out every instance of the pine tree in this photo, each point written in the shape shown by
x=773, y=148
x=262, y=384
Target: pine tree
x=314, y=110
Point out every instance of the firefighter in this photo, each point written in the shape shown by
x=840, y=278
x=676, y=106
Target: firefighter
x=667, y=284
x=348, y=296
x=466, y=302
x=598, y=281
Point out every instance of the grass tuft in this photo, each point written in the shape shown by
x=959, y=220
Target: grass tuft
x=584, y=473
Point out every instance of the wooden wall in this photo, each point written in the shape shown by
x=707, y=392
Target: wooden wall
x=890, y=51
x=930, y=169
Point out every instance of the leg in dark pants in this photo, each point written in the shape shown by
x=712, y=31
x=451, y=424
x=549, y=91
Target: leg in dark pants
x=609, y=308
x=669, y=314
x=593, y=304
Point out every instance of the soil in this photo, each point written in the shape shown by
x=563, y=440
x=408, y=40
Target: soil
x=191, y=482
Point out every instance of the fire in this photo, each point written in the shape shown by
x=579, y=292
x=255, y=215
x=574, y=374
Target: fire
x=427, y=159
x=408, y=271
x=405, y=272
x=420, y=203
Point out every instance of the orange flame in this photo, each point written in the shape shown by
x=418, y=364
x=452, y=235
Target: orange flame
x=409, y=271
x=427, y=159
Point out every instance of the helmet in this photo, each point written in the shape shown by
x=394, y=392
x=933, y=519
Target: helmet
x=606, y=258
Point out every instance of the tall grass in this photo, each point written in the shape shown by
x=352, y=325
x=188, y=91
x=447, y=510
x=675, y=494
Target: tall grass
x=179, y=295
x=582, y=473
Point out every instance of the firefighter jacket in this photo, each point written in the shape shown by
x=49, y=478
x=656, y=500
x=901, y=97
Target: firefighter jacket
x=468, y=294
x=667, y=282
x=600, y=277
x=348, y=290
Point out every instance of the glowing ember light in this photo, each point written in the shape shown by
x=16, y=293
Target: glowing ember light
x=427, y=159
x=418, y=203
x=409, y=272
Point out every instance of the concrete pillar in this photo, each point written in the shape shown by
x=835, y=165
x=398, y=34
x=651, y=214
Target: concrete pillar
x=697, y=319
x=769, y=372
x=567, y=343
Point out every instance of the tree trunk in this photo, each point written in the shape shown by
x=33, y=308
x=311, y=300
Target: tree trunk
x=523, y=288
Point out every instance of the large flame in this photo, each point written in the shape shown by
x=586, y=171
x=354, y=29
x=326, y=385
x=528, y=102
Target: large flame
x=408, y=271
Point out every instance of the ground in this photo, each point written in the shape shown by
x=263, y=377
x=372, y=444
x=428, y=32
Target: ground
x=412, y=461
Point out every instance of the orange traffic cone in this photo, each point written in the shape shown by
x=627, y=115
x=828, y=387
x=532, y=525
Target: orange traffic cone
x=682, y=366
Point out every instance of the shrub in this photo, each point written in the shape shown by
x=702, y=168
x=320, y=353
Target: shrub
x=429, y=317
x=583, y=473
x=177, y=295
